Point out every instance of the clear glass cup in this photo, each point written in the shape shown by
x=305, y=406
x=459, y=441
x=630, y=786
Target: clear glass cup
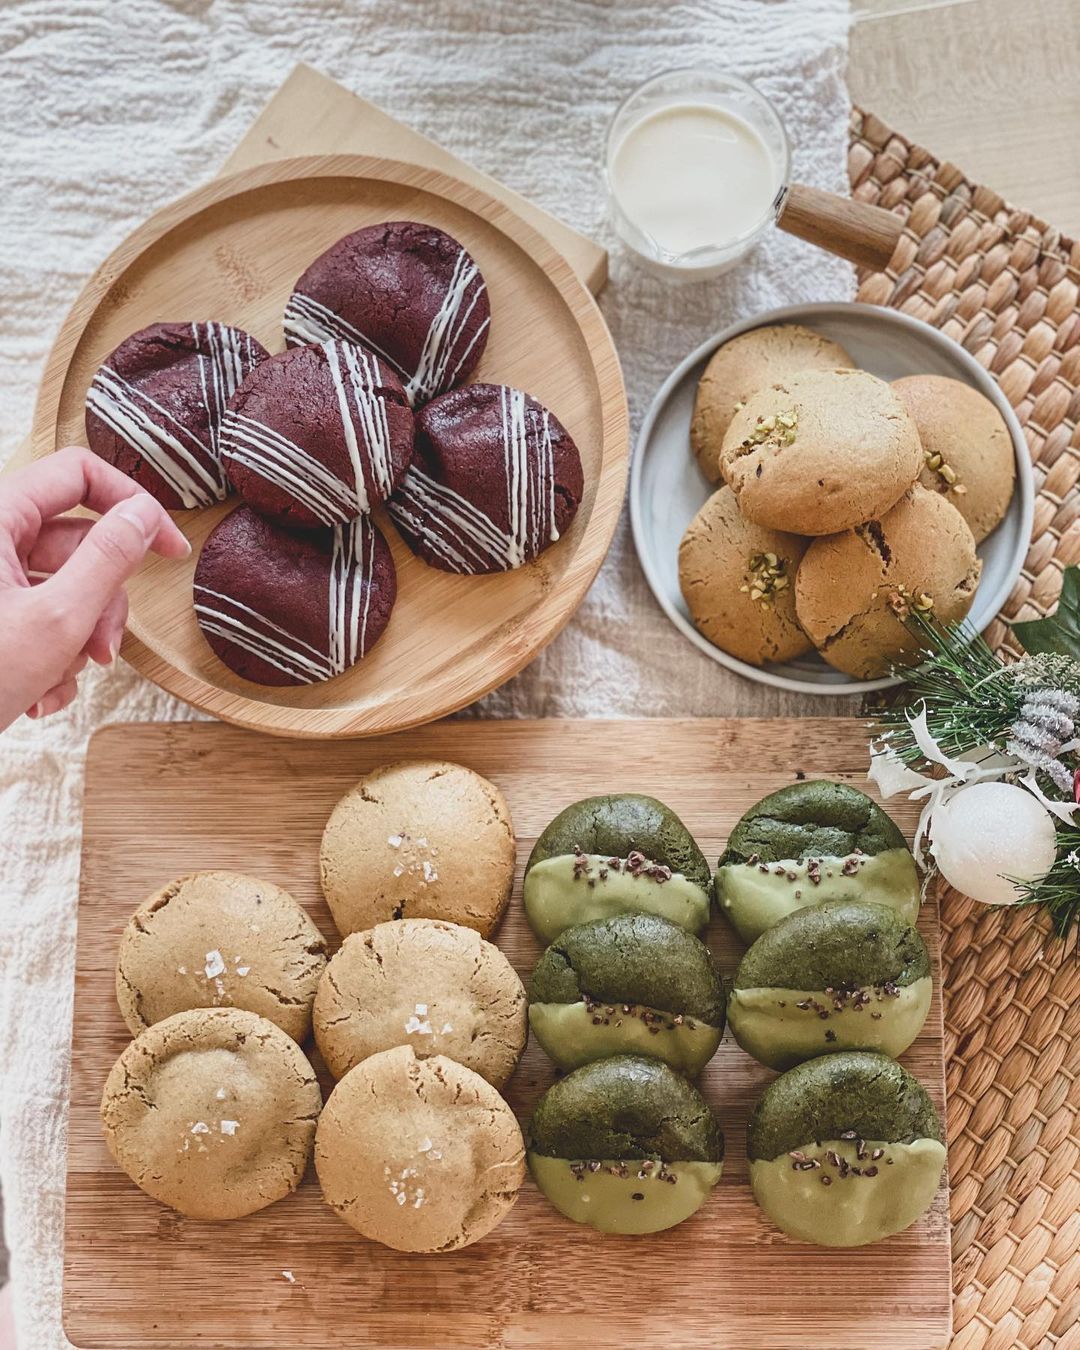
x=697, y=86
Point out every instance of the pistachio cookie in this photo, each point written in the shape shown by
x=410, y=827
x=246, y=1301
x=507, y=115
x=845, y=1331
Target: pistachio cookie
x=220, y=939
x=845, y=1150
x=843, y=975
x=808, y=843
x=615, y=855
x=631, y=984
x=436, y=986
x=421, y=1155
x=625, y=1145
x=853, y=590
x=738, y=583
x=742, y=366
x=967, y=450
x=420, y=839
x=820, y=452
x=212, y=1112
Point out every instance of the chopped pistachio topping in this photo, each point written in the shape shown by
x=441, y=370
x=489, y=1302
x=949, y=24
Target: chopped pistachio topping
x=944, y=471
x=766, y=576
x=780, y=426
x=902, y=601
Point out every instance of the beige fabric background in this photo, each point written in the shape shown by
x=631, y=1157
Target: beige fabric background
x=109, y=108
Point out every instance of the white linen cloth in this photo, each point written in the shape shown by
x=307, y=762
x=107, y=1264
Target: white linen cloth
x=110, y=108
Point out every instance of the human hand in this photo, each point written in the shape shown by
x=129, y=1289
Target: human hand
x=62, y=597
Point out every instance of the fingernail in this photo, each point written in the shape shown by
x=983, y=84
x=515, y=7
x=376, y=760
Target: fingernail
x=35, y=711
x=142, y=512
x=114, y=650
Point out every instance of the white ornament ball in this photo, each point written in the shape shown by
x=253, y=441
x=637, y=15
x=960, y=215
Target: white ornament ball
x=988, y=832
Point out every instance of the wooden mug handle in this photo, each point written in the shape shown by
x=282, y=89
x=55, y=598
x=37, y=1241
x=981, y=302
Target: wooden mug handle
x=865, y=235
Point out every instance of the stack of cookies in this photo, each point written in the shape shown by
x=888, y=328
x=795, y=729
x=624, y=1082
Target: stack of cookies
x=846, y=502
x=367, y=408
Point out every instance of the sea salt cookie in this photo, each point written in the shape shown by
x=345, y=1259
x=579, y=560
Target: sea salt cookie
x=408, y=291
x=853, y=590
x=220, y=939
x=421, y=1155
x=842, y=975
x=155, y=405
x=495, y=480
x=280, y=607
x=820, y=452
x=737, y=581
x=967, y=450
x=620, y=854
x=808, y=843
x=625, y=1145
x=419, y=839
x=845, y=1150
x=212, y=1112
x=318, y=435
x=747, y=363
x=438, y=987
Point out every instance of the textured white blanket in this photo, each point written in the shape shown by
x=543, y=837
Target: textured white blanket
x=109, y=108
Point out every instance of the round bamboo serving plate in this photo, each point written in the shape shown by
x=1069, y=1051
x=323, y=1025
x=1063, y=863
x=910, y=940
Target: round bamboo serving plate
x=231, y=251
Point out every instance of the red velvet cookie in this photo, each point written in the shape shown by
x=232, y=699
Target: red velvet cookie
x=409, y=292
x=282, y=607
x=495, y=479
x=154, y=408
x=318, y=435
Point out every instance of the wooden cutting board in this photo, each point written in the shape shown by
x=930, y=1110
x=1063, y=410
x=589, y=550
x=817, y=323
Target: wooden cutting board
x=165, y=799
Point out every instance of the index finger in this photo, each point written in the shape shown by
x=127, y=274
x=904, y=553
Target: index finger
x=75, y=477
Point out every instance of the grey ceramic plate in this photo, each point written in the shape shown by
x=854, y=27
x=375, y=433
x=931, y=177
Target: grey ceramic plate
x=667, y=487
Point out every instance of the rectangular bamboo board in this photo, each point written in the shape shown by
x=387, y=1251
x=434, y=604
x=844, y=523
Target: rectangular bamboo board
x=166, y=799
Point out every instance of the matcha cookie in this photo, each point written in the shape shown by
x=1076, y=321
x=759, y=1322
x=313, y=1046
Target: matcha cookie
x=436, y=986
x=625, y=1145
x=212, y=1112
x=853, y=590
x=631, y=984
x=220, y=939
x=742, y=366
x=615, y=855
x=421, y=1155
x=421, y=839
x=967, y=451
x=808, y=843
x=820, y=452
x=738, y=583
x=843, y=975
x=845, y=1150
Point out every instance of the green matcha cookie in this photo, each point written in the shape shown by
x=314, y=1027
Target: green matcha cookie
x=615, y=855
x=845, y=1150
x=632, y=984
x=625, y=1145
x=808, y=843
x=843, y=975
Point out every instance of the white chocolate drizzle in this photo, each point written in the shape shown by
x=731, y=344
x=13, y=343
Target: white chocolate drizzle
x=354, y=373
x=184, y=461
x=307, y=320
x=460, y=532
x=351, y=582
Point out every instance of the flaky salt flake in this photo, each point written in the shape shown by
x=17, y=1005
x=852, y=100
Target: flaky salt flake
x=446, y=1026
x=429, y=872
x=214, y=965
x=242, y=970
x=424, y=1145
x=220, y=1094
x=229, y=1126
x=401, y=1197
x=200, y=1127
x=396, y=840
x=288, y=1276
x=181, y=970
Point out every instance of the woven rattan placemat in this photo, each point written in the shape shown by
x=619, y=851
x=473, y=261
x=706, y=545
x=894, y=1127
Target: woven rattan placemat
x=1005, y=286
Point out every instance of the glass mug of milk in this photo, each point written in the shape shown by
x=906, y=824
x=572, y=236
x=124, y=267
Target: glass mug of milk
x=698, y=169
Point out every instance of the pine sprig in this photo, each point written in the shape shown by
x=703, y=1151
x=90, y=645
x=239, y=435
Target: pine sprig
x=1058, y=892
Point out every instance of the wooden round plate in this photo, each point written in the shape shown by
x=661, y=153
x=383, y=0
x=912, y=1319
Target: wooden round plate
x=231, y=251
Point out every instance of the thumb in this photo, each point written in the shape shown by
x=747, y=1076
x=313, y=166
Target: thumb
x=110, y=553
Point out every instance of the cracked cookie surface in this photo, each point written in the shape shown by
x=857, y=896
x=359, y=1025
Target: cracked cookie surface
x=438, y=987
x=742, y=366
x=738, y=578
x=820, y=452
x=852, y=589
x=422, y=1155
x=212, y=1112
x=419, y=839
x=220, y=939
